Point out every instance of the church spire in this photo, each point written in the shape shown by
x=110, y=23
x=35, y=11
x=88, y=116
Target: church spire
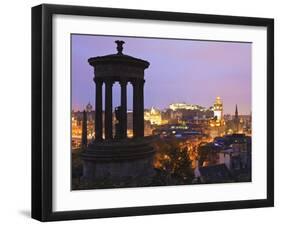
x=236, y=120
x=236, y=111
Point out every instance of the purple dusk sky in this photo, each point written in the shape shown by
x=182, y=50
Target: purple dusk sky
x=188, y=71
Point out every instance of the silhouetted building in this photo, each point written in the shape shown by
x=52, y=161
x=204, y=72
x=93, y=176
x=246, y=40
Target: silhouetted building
x=118, y=159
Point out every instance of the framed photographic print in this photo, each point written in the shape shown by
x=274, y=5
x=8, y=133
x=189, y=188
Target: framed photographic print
x=146, y=112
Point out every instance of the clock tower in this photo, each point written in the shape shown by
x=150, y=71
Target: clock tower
x=218, y=109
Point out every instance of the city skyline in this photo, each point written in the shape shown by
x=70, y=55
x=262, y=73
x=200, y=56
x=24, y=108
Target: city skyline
x=189, y=71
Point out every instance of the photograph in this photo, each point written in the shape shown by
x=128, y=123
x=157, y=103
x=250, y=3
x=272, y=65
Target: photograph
x=141, y=112
x=150, y=111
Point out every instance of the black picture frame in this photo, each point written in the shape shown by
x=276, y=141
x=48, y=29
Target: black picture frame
x=42, y=111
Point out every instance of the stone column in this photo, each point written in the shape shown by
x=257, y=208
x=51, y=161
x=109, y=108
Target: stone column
x=141, y=109
x=123, y=84
x=98, y=109
x=135, y=108
x=84, y=141
x=108, y=109
x=138, y=108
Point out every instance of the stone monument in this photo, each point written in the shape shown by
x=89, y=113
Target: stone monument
x=118, y=158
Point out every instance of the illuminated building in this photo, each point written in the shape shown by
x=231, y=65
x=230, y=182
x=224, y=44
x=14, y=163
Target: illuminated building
x=186, y=113
x=218, y=109
x=130, y=123
x=239, y=124
x=217, y=124
x=76, y=125
x=154, y=117
x=76, y=129
x=184, y=106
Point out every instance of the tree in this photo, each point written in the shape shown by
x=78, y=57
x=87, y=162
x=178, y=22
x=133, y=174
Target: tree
x=182, y=165
x=174, y=160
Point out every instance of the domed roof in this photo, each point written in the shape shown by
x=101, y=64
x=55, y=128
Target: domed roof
x=89, y=107
x=119, y=57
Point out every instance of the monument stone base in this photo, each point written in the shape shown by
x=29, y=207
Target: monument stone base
x=118, y=161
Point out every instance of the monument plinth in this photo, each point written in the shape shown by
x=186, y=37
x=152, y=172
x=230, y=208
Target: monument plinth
x=118, y=158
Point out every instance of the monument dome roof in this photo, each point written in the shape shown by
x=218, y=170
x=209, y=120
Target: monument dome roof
x=119, y=57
